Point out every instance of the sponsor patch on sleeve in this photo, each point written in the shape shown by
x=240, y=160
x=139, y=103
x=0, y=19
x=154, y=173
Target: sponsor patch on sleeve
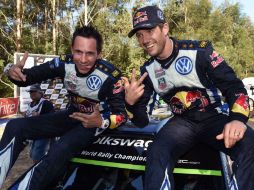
x=216, y=59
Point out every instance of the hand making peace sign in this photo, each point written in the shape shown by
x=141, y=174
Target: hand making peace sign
x=15, y=71
x=135, y=88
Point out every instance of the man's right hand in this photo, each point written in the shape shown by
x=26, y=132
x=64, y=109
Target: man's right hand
x=134, y=89
x=15, y=71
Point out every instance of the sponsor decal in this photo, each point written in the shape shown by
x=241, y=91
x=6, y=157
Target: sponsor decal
x=241, y=104
x=59, y=101
x=159, y=72
x=194, y=96
x=83, y=104
x=117, y=156
x=94, y=82
x=49, y=91
x=140, y=17
x=112, y=141
x=71, y=81
x=203, y=44
x=44, y=86
x=8, y=106
x=183, y=65
x=162, y=83
x=63, y=91
x=115, y=73
x=56, y=61
x=54, y=96
x=116, y=120
x=216, y=59
x=118, y=87
x=176, y=105
x=188, y=162
x=160, y=14
x=59, y=86
x=187, y=100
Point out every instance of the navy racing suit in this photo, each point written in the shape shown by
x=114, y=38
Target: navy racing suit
x=204, y=94
x=99, y=86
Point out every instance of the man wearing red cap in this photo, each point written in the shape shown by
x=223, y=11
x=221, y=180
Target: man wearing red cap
x=193, y=79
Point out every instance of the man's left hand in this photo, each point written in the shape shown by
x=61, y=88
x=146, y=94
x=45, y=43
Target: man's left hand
x=232, y=133
x=89, y=120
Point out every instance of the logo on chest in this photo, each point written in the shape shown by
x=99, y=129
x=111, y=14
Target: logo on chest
x=183, y=65
x=94, y=82
x=162, y=83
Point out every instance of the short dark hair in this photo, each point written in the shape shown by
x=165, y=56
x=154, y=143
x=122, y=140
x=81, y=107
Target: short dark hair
x=89, y=32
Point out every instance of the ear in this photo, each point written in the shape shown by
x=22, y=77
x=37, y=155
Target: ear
x=99, y=56
x=165, y=29
x=71, y=50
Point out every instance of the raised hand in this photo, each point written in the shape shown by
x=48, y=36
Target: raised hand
x=134, y=89
x=92, y=120
x=232, y=133
x=15, y=71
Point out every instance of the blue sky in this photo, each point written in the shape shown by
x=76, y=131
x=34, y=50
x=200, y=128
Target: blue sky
x=246, y=5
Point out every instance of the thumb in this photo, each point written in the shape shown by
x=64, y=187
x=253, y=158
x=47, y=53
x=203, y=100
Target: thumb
x=97, y=107
x=220, y=136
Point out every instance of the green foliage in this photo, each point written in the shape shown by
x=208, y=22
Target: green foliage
x=230, y=32
x=6, y=87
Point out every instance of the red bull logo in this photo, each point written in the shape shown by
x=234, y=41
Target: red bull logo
x=193, y=96
x=140, y=17
x=116, y=120
x=241, y=105
x=118, y=87
x=140, y=14
x=217, y=59
x=196, y=95
x=187, y=100
x=84, y=105
x=177, y=105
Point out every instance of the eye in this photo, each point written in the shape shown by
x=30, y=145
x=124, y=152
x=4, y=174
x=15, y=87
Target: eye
x=150, y=31
x=90, y=54
x=138, y=35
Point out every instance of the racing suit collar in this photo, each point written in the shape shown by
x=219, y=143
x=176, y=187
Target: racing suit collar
x=78, y=74
x=165, y=63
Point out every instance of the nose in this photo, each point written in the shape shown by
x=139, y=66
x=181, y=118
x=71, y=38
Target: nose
x=83, y=58
x=145, y=39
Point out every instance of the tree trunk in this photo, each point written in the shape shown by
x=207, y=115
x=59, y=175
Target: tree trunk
x=46, y=23
x=19, y=24
x=54, y=27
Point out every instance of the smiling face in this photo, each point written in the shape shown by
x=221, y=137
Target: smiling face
x=154, y=41
x=84, y=53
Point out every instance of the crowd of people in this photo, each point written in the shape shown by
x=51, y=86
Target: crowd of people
x=190, y=76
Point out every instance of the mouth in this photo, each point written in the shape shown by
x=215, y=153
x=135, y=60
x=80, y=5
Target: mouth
x=149, y=46
x=83, y=65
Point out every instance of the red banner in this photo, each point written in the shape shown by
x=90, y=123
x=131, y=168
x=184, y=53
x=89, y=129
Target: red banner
x=8, y=106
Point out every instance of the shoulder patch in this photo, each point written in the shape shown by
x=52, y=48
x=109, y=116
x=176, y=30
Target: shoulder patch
x=108, y=68
x=203, y=44
x=191, y=44
x=66, y=58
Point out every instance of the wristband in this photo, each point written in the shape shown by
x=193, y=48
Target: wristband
x=7, y=68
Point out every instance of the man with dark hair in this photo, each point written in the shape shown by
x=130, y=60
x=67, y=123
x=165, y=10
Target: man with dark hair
x=96, y=104
x=38, y=106
x=193, y=79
